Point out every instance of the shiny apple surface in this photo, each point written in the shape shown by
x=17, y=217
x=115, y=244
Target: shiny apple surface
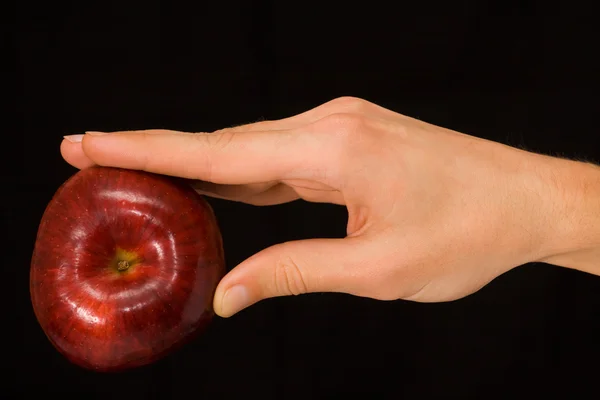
x=124, y=268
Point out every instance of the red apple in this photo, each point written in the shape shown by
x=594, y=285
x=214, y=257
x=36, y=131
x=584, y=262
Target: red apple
x=124, y=268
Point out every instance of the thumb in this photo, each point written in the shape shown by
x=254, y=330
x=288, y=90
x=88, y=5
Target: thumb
x=291, y=268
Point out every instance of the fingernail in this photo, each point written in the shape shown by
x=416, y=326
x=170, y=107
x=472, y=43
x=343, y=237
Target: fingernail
x=235, y=300
x=94, y=133
x=74, y=138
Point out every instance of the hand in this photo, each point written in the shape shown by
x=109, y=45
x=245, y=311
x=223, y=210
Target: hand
x=434, y=214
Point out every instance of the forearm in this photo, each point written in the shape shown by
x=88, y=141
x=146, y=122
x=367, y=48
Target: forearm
x=573, y=235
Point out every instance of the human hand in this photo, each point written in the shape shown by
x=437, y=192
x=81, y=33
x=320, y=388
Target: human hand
x=434, y=214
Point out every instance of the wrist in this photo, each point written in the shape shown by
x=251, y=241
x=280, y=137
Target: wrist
x=572, y=227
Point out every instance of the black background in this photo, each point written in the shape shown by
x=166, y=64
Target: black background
x=516, y=72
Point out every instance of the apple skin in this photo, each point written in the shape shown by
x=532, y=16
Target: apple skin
x=124, y=268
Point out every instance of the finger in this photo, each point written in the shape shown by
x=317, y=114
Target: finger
x=316, y=192
x=71, y=151
x=223, y=157
x=292, y=268
x=237, y=192
x=269, y=193
x=292, y=122
x=74, y=154
x=341, y=105
x=260, y=194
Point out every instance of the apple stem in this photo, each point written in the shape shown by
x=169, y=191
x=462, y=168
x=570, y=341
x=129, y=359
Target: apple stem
x=122, y=265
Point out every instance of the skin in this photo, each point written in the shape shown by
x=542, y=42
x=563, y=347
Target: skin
x=434, y=214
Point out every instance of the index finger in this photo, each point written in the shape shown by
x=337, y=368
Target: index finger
x=223, y=157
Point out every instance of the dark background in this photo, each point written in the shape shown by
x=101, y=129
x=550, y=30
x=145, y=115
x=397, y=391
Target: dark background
x=516, y=72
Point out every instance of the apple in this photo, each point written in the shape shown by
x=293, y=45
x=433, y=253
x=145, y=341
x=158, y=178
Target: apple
x=124, y=268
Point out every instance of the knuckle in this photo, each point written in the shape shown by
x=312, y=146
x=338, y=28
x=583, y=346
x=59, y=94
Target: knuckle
x=344, y=135
x=211, y=144
x=348, y=133
x=347, y=104
x=218, y=140
x=288, y=277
